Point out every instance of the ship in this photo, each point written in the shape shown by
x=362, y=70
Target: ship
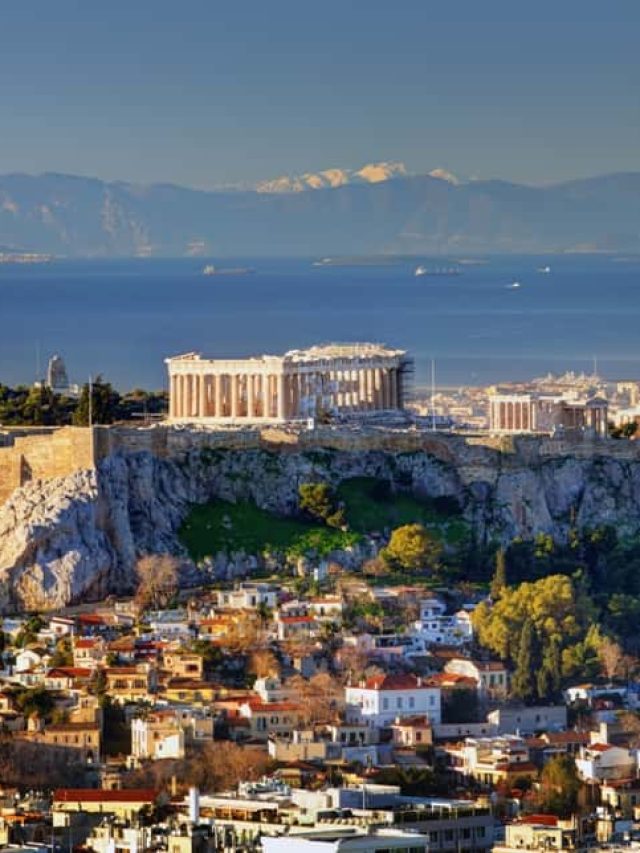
x=544, y=270
x=420, y=270
x=210, y=269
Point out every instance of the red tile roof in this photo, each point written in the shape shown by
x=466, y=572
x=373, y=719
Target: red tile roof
x=98, y=795
x=398, y=682
x=291, y=620
x=268, y=707
x=541, y=820
x=69, y=672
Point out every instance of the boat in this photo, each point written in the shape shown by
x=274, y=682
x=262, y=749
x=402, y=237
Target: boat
x=420, y=270
x=544, y=270
x=514, y=285
x=211, y=270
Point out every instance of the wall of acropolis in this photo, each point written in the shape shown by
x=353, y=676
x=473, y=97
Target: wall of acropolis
x=42, y=455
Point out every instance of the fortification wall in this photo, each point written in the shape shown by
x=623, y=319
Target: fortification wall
x=43, y=456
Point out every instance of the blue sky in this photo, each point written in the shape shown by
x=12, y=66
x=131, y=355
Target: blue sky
x=208, y=92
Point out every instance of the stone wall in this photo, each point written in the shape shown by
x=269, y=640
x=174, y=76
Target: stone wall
x=43, y=455
x=46, y=454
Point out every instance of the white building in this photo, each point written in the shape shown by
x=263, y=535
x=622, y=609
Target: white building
x=601, y=762
x=157, y=736
x=438, y=628
x=379, y=700
x=491, y=677
x=248, y=596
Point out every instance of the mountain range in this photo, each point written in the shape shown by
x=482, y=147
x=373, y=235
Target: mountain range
x=379, y=209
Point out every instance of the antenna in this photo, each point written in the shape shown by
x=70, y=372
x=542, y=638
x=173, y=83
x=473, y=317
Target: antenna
x=595, y=365
x=433, y=394
x=38, y=376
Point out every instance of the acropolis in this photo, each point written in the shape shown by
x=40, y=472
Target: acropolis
x=333, y=378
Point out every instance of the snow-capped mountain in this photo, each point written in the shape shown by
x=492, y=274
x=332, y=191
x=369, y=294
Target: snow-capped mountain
x=372, y=173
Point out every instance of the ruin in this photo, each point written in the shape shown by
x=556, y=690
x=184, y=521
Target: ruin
x=332, y=379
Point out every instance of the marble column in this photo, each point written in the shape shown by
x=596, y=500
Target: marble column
x=172, y=397
x=187, y=396
x=234, y=395
x=202, y=401
x=362, y=389
x=281, y=399
x=217, y=408
x=378, y=394
x=250, y=396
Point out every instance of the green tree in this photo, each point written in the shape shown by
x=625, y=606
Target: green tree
x=318, y=500
x=548, y=679
x=499, y=581
x=559, y=787
x=524, y=685
x=549, y=603
x=104, y=406
x=63, y=653
x=412, y=547
x=35, y=700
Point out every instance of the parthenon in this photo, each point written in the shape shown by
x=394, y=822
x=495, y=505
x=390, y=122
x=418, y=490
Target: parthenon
x=334, y=378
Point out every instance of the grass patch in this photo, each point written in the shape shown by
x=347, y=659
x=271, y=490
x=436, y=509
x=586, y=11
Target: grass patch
x=370, y=505
x=222, y=526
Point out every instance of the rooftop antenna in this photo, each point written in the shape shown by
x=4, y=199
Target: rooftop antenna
x=433, y=395
x=38, y=361
x=595, y=365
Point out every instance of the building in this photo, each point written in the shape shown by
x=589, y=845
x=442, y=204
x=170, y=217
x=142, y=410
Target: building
x=527, y=720
x=159, y=735
x=491, y=677
x=336, y=378
x=248, y=596
x=82, y=741
x=540, y=832
x=123, y=803
x=379, y=700
x=58, y=379
x=603, y=762
x=438, y=628
x=492, y=760
x=536, y=412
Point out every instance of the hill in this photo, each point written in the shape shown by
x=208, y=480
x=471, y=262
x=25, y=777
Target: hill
x=85, y=217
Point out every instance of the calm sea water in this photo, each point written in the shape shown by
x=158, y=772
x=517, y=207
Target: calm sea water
x=122, y=318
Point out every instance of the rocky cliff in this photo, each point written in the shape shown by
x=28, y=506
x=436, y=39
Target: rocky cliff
x=76, y=537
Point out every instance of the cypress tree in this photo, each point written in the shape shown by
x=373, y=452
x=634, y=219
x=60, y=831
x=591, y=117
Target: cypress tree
x=524, y=685
x=499, y=580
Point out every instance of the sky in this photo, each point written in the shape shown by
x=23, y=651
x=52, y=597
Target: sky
x=213, y=92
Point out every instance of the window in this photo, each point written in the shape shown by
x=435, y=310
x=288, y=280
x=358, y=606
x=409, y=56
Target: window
x=385, y=704
x=432, y=700
x=399, y=702
x=412, y=701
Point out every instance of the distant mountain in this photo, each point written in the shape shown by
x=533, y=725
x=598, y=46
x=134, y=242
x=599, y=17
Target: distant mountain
x=377, y=209
x=372, y=173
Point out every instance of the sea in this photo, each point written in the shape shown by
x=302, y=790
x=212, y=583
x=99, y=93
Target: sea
x=121, y=318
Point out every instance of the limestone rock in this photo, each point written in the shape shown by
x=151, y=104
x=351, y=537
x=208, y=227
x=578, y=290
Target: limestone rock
x=77, y=537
